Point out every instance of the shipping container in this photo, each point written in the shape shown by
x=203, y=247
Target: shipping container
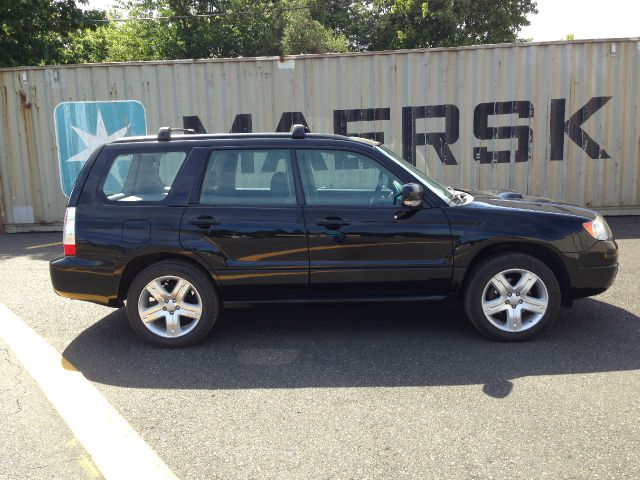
x=557, y=120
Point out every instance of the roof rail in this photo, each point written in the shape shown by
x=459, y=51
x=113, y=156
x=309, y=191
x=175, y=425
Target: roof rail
x=299, y=131
x=164, y=133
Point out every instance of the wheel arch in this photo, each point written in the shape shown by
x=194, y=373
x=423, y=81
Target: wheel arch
x=139, y=263
x=541, y=252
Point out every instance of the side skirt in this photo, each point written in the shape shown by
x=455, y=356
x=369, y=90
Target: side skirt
x=420, y=298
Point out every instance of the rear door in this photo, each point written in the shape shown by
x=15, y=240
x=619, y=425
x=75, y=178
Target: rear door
x=131, y=204
x=361, y=244
x=246, y=222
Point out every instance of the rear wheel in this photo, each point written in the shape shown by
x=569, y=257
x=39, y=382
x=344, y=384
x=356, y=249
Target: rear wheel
x=512, y=297
x=172, y=304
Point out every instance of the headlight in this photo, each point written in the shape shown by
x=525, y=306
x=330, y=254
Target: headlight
x=598, y=229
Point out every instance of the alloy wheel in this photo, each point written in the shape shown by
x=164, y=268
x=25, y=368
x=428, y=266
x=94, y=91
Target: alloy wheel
x=515, y=300
x=170, y=306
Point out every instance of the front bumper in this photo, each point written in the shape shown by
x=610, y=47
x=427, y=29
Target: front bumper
x=593, y=271
x=83, y=279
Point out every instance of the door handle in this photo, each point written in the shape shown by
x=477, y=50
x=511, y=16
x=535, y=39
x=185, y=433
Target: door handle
x=333, y=223
x=203, y=221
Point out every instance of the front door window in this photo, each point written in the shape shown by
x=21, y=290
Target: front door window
x=335, y=177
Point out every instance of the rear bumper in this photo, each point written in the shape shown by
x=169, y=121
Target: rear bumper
x=593, y=271
x=84, y=279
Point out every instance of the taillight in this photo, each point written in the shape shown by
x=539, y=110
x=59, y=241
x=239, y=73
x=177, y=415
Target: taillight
x=69, y=231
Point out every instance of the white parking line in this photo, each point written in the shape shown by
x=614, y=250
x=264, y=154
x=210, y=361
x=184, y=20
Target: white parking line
x=115, y=447
x=44, y=245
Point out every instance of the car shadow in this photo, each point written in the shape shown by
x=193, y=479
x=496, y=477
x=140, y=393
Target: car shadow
x=360, y=346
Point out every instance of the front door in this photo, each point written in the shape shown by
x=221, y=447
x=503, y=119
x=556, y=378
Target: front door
x=361, y=244
x=247, y=223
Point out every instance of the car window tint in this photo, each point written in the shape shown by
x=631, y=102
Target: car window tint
x=334, y=177
x=170, y=163
x=248, y=177
x=117, y=175
x=145, y=177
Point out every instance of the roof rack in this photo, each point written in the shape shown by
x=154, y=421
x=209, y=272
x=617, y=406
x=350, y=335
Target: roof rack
x=299, y=131
x=164, y=133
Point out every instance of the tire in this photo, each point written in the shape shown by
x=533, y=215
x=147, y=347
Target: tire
x=511, y=297
x=179, y=300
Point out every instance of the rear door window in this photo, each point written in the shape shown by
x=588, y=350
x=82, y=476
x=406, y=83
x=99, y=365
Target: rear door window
x=249, y=177
x=142, y=176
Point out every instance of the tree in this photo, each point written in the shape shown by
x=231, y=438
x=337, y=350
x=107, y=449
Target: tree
x=445, y=23
x=346, y=18
x=183, y=29
x=56, y=31
x=303, y=34
x=121, y=41
x=34, y=32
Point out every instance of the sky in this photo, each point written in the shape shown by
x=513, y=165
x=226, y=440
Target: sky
x=101, y=4
x=584, y=19
x=558, y=18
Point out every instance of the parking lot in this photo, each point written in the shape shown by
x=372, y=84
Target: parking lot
x=327, y=392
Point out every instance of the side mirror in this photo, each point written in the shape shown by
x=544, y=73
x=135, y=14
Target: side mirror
x=412, y=195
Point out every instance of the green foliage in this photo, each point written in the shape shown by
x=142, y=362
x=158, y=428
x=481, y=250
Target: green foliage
x=57, y=31
x=242, y=28
x=446, y=23
x=352, y=20
x=35, y=32
x=125, y=41
x=303, y=34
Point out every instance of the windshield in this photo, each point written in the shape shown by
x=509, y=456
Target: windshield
x=443, y=192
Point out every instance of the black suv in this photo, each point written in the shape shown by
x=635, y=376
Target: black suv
x=179, y=226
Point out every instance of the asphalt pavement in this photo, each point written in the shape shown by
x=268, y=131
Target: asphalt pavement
x=338, y=392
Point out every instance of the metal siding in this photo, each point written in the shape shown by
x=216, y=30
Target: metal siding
x=216, y=90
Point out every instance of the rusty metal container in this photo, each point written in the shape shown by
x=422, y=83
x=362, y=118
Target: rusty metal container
x=557, y=120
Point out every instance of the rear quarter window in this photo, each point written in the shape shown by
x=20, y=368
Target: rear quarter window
x=142, y=176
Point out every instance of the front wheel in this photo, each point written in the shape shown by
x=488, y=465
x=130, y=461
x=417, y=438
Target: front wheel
x=512, y=297
x=172, y=304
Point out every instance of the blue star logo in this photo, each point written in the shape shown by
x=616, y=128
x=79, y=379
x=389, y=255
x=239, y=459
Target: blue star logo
x=81, y=127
